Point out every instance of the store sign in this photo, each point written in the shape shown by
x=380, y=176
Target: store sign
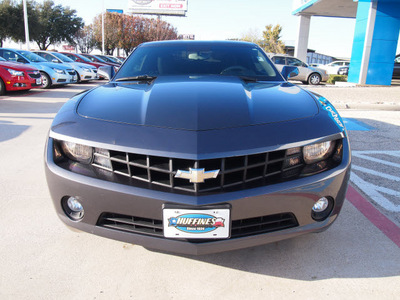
x=158, y=7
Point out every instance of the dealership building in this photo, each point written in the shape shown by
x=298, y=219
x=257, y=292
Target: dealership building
x=375, y=36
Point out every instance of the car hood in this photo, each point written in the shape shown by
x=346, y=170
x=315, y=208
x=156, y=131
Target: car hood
x=81, y=65
x=17, y=66
x=42, y=65
x=197, y=103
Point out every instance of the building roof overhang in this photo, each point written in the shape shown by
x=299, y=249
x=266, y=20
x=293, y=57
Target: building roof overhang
x=325, y=8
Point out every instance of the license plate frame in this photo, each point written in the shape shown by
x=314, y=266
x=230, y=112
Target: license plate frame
x=205, y=222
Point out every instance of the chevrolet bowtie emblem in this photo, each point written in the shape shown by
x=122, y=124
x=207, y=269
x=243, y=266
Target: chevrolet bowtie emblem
x=197, y=175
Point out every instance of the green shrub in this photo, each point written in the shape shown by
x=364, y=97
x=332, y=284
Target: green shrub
x=333, y=78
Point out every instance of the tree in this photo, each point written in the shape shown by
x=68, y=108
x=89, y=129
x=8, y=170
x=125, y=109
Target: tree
x=251, y=35
x=112, y=31
x=127, y=32
x=132, y=33
x=8, y=19
x=84, y=39
x=158, y=30
x=271, y=39
x=55, y=24
x=18, y=27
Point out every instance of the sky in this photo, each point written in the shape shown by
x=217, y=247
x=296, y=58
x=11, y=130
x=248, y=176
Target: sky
x=225, y=19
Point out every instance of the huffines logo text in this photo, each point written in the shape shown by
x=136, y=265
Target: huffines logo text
x=196, y=223
x=332, y=111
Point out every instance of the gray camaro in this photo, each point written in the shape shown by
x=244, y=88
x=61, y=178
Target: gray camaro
x=198, y=147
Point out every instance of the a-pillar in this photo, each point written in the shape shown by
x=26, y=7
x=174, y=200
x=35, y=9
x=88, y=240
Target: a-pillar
x=300, y=50
x=375, y=42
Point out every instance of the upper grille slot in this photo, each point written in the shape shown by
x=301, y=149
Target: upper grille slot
x=236, y=172
x=34, y=75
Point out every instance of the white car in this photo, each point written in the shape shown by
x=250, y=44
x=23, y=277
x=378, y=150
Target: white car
x=335, y=67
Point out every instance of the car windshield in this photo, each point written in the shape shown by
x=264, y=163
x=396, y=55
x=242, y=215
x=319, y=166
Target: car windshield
x=191, y=58
x=83, y=58
x=62, y=57
x=111, y=59
x=99, y=58
x=32, y=57
x=104, y=58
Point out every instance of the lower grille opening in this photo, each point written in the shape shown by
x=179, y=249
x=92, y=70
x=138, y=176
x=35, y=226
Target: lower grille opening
x=239, y=228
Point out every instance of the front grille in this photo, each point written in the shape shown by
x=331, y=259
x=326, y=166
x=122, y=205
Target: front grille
x=239, y=228
x=71, y=72
x=239, y=172
x=34, y=75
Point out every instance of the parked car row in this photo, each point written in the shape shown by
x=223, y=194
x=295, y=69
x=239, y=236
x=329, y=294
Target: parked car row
x=24, y=70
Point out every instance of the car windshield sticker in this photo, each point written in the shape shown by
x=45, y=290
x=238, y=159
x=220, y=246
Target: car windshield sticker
x=326, y=105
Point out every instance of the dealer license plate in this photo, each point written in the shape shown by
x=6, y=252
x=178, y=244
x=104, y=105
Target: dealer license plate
x=210, y=223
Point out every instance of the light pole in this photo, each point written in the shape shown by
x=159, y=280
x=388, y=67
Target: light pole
x=102, y=29
x=26, y=26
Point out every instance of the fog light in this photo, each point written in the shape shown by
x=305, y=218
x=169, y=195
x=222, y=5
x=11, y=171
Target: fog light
x=73, y=208
x=74, y=204
x=321, y=205
x=322, y=208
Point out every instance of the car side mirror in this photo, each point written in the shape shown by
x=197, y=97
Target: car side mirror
x=107, y=72
x=21, y=60
x=55, y=61
x=289, y=72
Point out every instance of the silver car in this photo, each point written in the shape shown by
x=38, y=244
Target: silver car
x=307, y=74
x=52, y=74
x=85, y=72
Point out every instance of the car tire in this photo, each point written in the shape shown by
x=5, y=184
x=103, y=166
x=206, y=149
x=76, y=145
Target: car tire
x=46, y=81
x=2, y=87
x=314, y=79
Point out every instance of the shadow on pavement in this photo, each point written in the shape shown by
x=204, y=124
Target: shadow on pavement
x=8, y=130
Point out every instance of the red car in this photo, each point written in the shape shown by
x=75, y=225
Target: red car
x=16, y=77
x=82, y=59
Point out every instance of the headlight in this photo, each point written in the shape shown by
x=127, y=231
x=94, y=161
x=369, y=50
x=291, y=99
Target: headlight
x=86, y=69
x=77, y=152
x=15, y=72
x=317, y=152
x=59, y=71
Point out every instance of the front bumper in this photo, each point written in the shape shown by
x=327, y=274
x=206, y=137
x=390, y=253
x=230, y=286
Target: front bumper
x=21, y=83
x=295, y=197
x=87, y=76
x=59, y=79
x=325, y=77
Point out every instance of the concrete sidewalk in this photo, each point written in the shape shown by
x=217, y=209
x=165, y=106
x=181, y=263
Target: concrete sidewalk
x=366, y=97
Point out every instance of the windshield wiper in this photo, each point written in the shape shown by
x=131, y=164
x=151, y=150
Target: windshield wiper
x=146, y=78
x=248, y=78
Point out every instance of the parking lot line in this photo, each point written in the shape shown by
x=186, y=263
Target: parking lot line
x=356, y=125
x=390, y=229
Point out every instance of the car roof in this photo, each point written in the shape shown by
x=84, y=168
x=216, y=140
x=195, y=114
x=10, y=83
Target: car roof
x=204, y=43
